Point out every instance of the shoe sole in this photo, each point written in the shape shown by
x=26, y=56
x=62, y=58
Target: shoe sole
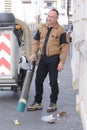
x=52, y=110
x=30, y=109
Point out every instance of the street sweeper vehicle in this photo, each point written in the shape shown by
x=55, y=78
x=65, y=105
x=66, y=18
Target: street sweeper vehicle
x=16, y=70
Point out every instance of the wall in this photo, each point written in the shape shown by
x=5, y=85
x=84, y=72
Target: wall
x=79, y=58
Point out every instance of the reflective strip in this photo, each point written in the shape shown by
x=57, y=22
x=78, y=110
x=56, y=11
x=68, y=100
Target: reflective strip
x=5, y=52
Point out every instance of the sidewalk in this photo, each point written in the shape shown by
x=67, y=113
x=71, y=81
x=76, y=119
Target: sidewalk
x=33, y=120
x=66, y=103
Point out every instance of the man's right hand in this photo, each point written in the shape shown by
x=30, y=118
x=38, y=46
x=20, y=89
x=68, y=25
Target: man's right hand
x=33, y=57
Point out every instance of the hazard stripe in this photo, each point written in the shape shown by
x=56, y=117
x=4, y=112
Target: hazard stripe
x=7, y=36
x=4, y=47
x=5, y=54
x=4, y=62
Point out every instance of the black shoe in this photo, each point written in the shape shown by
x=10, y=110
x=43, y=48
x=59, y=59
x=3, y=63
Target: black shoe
x=52, y=107
x=35, y=106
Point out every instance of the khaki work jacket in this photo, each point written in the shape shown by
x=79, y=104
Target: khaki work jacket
x=55, y=45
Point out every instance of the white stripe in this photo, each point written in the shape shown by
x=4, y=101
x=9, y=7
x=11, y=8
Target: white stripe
x=4, y=70
x=5, y=55
x=4, y=39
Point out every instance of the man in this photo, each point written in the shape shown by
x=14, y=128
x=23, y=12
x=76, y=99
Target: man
x=50, y=39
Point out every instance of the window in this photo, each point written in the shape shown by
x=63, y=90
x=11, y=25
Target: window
x=63, y=4
x=49, y=4
x=69, y=4
x=26, y=1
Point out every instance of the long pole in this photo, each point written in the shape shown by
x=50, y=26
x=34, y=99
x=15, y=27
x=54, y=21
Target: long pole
x=68, y=12
x=68, y=25
x=36, y=12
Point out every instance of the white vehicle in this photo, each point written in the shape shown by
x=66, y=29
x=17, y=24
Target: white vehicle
x=14, y=40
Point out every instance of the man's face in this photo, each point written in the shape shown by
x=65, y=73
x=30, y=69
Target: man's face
x=52, y=17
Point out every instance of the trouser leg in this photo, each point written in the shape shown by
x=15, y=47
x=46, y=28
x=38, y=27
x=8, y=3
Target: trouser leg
x=53, y=75
x=41, y=73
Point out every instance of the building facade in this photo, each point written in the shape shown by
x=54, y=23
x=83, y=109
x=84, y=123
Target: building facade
x=79, y=58
x=34, y=12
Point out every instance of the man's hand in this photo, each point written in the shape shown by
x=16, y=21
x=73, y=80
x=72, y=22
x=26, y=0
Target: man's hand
x=33, y=58
x=60, y=67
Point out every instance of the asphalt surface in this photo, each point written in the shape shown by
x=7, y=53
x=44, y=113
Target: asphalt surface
x=33, y=120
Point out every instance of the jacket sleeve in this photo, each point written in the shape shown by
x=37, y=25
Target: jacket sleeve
x=35, y=45
x=64, y=47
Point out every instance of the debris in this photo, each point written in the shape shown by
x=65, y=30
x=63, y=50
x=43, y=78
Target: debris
x=16, y=122
x=53, y=118
x=61, y=114
x=52, y=121
x=59, y=81
x=49, y=118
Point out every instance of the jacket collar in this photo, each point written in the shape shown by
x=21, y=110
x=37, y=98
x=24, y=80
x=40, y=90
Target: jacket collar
x=56, y=25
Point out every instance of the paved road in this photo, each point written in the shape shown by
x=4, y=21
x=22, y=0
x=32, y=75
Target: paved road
x=32, y=120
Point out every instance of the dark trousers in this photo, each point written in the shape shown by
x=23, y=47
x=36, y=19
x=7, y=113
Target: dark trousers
x=47, y=65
